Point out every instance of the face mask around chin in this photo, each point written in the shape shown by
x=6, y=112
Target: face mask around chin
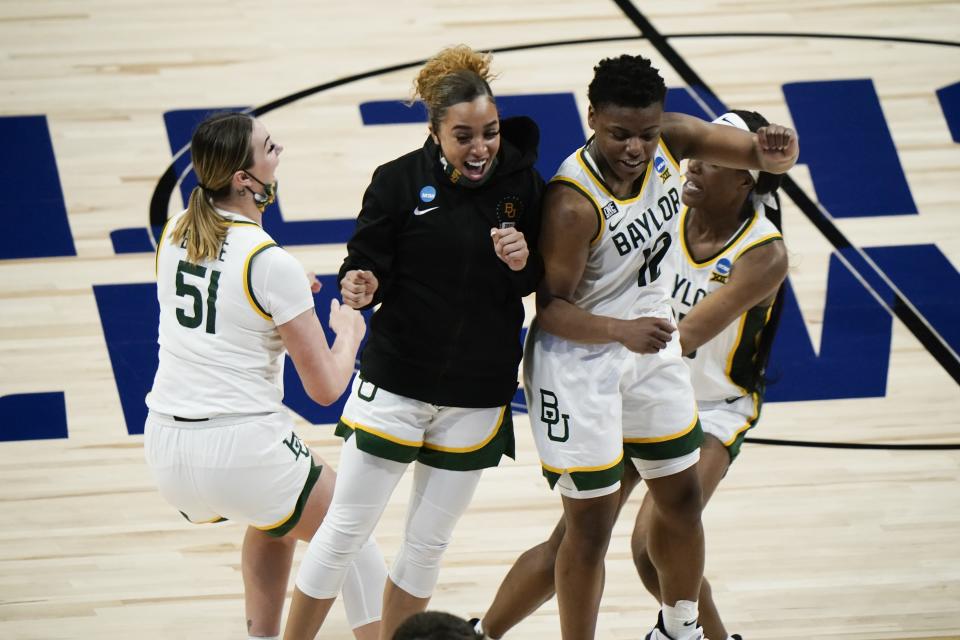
x=459, y=179
x=269, y=195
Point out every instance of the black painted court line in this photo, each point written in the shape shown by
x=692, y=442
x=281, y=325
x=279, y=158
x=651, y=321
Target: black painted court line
x=855, y=445
x=901, y=307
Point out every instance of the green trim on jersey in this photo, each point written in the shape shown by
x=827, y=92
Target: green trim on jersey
x=741, y=364
x=680, y=446
x=745, y=227
x=248, y=277
x=291, y=522
x=759, y=243
x=586, y=161
x=588, y=480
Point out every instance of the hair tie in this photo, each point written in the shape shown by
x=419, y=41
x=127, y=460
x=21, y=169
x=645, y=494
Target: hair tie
x=203, y=186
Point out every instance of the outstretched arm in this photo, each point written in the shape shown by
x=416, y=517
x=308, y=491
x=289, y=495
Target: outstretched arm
x=324, y=371
x=773, y=148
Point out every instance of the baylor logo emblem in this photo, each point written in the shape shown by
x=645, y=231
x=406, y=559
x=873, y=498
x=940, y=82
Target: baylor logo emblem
x=550, y=415
x=296, y=447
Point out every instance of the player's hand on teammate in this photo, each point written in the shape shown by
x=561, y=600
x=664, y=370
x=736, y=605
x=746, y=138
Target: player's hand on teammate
x=347, y=322
x=314, y=283
x=510, y=246
x=779, y=147
x=646, y=335
x=358, y=287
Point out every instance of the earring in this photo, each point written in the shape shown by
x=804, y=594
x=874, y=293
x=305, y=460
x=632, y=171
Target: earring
x=241, y=192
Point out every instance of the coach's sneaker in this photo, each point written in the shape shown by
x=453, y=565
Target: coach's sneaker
x=659, y=633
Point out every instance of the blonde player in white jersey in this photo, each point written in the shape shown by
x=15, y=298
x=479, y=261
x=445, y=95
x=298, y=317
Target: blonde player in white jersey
x=603, y=373
x=218, y=441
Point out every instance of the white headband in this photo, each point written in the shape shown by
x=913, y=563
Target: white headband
x=733, y=120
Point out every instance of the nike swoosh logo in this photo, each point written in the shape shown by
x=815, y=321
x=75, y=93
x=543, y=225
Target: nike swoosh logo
x=614, y=226
x=419, y=212
x=691, y=623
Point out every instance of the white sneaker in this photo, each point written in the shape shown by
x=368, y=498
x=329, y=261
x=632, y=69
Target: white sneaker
x=659, y=633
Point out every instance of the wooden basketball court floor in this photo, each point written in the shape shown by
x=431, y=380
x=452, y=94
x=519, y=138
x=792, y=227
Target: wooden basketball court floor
x=803, y=542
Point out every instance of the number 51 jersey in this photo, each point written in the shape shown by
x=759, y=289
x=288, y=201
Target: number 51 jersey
x=220, y=351
x=622, y=276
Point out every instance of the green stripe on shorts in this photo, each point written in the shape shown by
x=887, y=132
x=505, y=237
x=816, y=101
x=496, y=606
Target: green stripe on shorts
x=294, y=518
x=588, y=480
x=734, y=448
x=487, y=456
x=680, y=446
x=377, y=446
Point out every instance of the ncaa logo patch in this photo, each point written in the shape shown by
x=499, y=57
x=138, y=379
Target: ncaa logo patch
x=428, y=193
x=723, y=266
x=659, y=164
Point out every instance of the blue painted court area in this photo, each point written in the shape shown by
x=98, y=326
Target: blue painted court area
x=853, y=359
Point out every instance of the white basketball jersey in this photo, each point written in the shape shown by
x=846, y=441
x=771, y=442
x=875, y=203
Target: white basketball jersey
x=220, y=351
x=622, y=277
x=723, y=368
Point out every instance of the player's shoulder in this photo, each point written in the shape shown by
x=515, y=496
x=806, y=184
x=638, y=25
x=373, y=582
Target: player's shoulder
x=567, y=205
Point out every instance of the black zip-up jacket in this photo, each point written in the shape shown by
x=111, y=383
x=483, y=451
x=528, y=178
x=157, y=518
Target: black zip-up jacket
x=448, y=329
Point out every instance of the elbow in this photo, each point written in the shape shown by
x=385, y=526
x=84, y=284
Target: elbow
x=322, y=394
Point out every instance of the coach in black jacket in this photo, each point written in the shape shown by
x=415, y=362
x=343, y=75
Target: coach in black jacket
x=445, y=241
x=448, y=328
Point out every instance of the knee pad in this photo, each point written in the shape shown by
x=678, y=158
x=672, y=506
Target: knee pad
x=324, y=566
x=417, y=567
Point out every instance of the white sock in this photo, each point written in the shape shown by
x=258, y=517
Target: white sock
x=680, y=620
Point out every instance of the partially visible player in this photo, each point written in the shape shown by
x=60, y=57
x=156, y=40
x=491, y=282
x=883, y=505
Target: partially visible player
x=724, y=280
x=435, y=625
x=218, y=440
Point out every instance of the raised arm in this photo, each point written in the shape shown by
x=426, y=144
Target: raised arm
x=773, y=148
x=754, y=280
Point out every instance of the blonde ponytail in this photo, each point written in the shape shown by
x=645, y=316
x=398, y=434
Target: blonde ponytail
x=219, y=148
x=203, y=228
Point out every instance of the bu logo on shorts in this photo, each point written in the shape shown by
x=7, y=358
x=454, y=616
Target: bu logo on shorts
x=550, y=415
x=296, y=446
